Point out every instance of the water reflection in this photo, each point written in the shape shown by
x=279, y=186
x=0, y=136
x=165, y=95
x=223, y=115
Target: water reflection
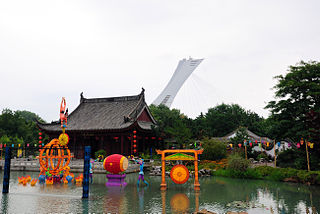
x=4, y=203
x=115, y=200
x=219, y=195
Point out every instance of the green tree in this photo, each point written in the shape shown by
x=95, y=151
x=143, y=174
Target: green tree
x=241, y=136
x=213, y=149
x=19, y=126
x=297, y=94
x=171, y=124
x=224, y=119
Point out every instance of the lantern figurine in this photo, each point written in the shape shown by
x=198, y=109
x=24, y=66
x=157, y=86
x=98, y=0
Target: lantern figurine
x=116, y=164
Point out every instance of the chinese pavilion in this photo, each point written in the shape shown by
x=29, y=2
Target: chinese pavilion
x=116, y=124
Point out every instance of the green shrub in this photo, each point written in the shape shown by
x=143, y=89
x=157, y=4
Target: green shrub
x=100, y=152
x=213, y=150
x=262, y=155
x=248, y=174
x=237, y=163
x=293, y=158
x=289, y=172
x=265, y=170
x=304, y=176
x=276, y=175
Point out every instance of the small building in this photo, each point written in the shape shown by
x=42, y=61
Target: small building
x=256, y=138
x=121, y=125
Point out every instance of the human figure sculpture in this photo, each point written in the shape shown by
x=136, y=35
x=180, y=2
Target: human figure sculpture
x=63, y=113
x=141, y=174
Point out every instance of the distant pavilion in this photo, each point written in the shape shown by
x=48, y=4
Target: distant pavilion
x=108, y=124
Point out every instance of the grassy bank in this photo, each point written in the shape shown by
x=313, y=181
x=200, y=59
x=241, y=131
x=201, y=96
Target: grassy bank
x=275, y=174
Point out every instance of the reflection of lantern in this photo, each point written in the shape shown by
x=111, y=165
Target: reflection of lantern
x=179, y=203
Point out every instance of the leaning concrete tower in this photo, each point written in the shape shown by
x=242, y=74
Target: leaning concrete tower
x=181, y=74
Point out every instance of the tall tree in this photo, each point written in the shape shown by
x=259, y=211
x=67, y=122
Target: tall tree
x=170, y=124
x=297, y=94
x=224, y=119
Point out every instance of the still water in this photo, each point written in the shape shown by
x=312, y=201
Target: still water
x=217, y=194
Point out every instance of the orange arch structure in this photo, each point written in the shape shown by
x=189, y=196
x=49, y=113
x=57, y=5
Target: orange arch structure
x=179, y=154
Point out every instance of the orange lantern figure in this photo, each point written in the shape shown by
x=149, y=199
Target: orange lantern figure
x=53, y=157
x=63, y=113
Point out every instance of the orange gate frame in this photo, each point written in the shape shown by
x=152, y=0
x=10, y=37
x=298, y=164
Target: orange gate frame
x=163, y=185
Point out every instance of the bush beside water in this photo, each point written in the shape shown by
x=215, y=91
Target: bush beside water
x=275, y=174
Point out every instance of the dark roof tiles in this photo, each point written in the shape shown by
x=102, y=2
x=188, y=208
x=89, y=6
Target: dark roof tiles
x=104, y=114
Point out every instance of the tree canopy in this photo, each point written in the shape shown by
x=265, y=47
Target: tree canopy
x=18, y=127
x=297, y=102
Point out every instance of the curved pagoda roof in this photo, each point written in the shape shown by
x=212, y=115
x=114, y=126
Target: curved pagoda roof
x=106, y=114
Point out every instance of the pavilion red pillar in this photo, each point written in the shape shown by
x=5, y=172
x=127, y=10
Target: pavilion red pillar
x=122, y=144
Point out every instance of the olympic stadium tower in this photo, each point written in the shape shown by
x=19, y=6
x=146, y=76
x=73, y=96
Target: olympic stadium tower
x=181, y=74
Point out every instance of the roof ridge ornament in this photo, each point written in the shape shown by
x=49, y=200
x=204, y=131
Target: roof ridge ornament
x=81, y=97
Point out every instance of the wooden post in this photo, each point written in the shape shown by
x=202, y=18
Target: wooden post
x=196, y=194
x=6, y=176
x=163, y=197
x=307, y=155
x=86, y=167
x=275, y=156
x=196, y=179
x=245, y=150
x=163, y=185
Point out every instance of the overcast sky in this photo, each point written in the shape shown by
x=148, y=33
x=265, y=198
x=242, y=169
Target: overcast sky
x=50, y=49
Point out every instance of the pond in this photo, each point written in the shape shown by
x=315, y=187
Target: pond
x=217, y=194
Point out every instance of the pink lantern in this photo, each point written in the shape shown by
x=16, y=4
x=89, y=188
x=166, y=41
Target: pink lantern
x=298, y=145
x=239, y=145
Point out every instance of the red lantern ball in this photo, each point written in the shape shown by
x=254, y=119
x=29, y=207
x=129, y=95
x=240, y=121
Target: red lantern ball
x=134, y=141
x=134, y=136
x=40, y=137
x=134, y=132
x=40, y=133
x=5, y=145
x=134, y=145
x=40, y=141
x=39, y=146
x=135, y=151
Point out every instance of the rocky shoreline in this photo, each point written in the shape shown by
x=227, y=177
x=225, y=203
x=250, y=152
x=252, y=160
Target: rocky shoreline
x=157, y=171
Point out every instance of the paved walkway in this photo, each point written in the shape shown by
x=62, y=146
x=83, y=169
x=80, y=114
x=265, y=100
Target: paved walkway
x=76, y=165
